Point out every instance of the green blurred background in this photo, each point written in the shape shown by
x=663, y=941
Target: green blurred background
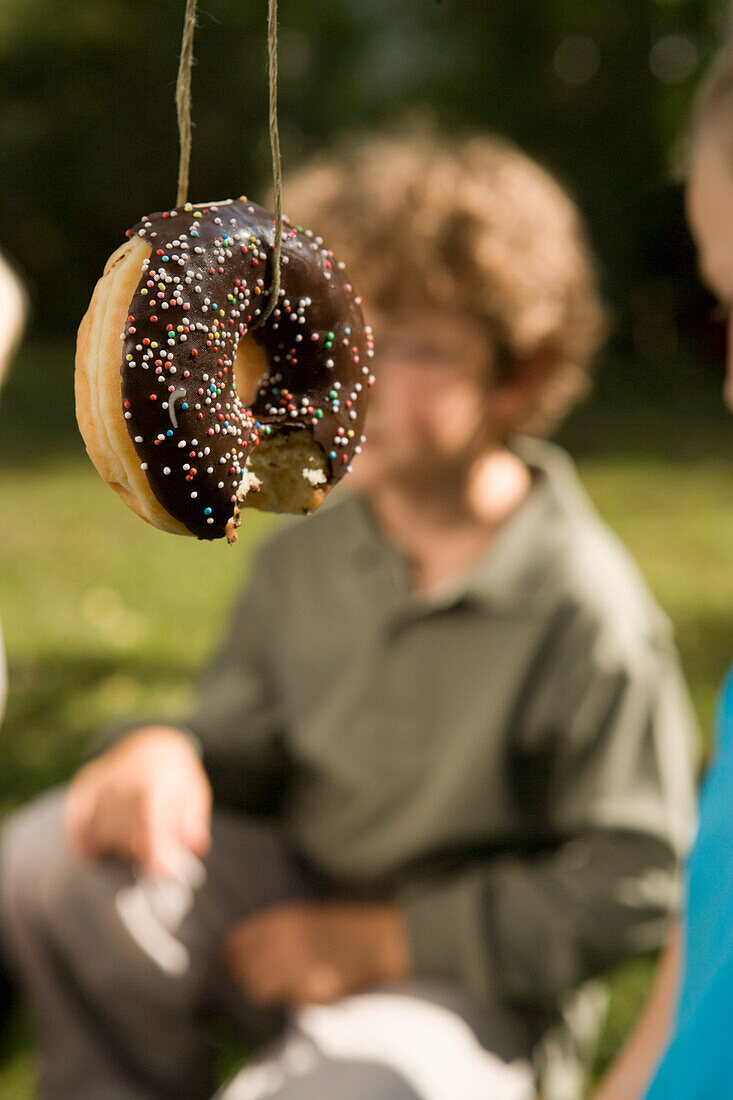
x=98, y=617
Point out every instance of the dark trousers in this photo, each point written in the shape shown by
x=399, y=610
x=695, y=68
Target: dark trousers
x=123, y=975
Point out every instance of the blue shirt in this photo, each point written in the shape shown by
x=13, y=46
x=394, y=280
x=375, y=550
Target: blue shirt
x=698, y=1064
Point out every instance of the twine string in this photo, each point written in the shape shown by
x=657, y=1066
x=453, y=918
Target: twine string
x=277, y=173
x=183, y=113
x=183, y=100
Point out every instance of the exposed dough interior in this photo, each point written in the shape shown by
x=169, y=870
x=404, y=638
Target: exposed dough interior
x=291, y=467
x=291, y=470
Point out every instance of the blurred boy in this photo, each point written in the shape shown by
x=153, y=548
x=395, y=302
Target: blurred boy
x=446, y=736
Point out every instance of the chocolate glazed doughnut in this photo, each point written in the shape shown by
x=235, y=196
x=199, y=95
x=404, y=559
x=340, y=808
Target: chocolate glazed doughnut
x=185, y=293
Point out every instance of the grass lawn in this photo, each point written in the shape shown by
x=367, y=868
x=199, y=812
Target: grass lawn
x=100, y=621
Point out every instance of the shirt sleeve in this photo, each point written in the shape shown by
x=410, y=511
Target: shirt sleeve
x=605, y=773
x=235, y=724
x=236, y=721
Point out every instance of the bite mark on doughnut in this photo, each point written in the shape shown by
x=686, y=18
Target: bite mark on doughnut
x=292, y=471
x=284, y=473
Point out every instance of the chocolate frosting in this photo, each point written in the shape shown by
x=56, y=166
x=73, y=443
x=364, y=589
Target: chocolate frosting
x=203, y=287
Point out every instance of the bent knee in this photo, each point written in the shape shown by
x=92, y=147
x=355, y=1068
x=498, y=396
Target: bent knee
x=35, y=862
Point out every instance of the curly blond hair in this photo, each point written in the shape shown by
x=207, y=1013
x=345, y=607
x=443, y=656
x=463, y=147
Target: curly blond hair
x=475, y=227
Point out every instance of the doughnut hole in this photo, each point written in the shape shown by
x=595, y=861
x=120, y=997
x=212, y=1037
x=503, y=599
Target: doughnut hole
x=250, y=366
x=290, y=466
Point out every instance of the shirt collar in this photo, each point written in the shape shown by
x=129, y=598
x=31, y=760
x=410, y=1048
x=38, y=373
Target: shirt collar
x=518, y=570
x=521, y=567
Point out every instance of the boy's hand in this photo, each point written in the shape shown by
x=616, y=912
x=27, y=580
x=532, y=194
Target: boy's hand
x=141, y=800
x=316, y=953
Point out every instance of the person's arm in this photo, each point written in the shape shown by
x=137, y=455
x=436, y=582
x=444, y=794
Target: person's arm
x=147, y=793
x=603, y=766
x=236, y=722
x=630, y=1074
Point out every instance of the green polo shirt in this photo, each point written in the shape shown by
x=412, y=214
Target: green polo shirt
x=510, y=760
